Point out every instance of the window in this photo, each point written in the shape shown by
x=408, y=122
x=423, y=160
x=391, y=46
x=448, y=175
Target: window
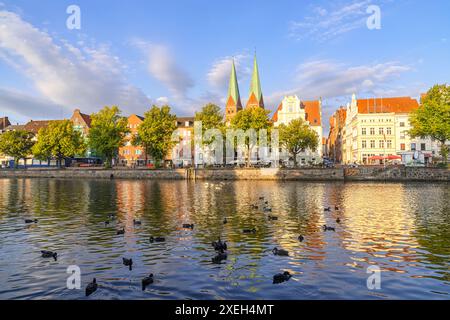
x=402, y=135
x=363, y=131
x=402, y=146
x=413, y=147
x=423, y=146
x=380, y=131
x=363, y=144
x=381, y=144
x=372, y=144
x=389, y=131
x=389, y=144
x=402, y=124
x=372, y=131
x=138, y=152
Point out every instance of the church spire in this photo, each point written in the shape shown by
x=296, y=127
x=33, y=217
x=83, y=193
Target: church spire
x=233, y=100
x=256, y=97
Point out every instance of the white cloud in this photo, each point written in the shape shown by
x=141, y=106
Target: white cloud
x=329, y=79
x=162, y=65
x=325, y=24
x=219, y=73
x=67, y=75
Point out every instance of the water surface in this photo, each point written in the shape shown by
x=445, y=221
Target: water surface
x=402, y=228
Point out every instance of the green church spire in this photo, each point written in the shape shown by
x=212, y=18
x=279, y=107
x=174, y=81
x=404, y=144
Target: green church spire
x=255, y=96
x=233, y=88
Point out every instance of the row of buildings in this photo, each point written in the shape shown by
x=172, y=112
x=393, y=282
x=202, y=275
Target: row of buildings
x=366, y=131
x=375, y=131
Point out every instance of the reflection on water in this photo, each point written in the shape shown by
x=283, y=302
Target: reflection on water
x=403, y=228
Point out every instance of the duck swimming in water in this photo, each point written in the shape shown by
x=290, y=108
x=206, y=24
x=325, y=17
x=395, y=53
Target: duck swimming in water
x=147, y=281
x=327, y=209
x=249, y=230
x=272, y=218
x=188, y=226
x=254, y=206
x=49, y=254
x=128, y=263
x=121, y=231
x=137, y=222
x=157, y=239
x=91, y=287
x=219, y=245
x=280, y=252
x=31, y=221
x=336, y=208
x=327, y=228
x=225, y=221
x=301, y=238
x=338, y=220
x=222, y=255
x=281, y=277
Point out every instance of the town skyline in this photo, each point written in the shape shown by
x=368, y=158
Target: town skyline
x=135, y=65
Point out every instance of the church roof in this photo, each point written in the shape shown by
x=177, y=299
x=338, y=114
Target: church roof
x=255, y=95
x=233, y=88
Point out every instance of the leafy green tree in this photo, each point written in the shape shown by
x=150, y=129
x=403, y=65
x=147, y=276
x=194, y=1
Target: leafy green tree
x=16, y=144
x=155, y=132
x=59, y=140
x=297, y=137
x=432, y=118
x=251, y=118
x=108, y=132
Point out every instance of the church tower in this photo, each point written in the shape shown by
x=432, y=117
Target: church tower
x=233, y=100
x=255, y=98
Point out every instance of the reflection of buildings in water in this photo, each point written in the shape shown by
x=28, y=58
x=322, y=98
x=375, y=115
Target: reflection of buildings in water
x=378, y=221
x=130, y=199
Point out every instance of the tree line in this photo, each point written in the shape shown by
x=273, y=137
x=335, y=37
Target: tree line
x=109, y=131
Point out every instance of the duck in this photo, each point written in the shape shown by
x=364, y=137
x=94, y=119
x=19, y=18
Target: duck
x=336, y=208
x=128, y=263
x=280, y=252
x=338, y=220
x=31, y=220
x=281, y=277
x=254, y=206
x=327, y=228
x=91, y=287
x=249, y=230
x=147, y=281
x=111, y=216
x=157, y=239
x=222, y=255
x=49, y=254
x=225, y=221
x=106, y=223
x=266, y=202
x=272, y=218
x=188, y=226
x=266, y=209
x=261, y=198
x=327, y=209
x=219, y=245
x=137, y=222
x=121, y=231
x=301, y=238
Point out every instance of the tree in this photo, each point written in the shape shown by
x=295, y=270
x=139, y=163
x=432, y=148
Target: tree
x=432, y=118
x=297, y=137
x=16, y=144
x=251, y=118
x=59, y=140
x=155, y=132
x=108, y=132
x=212, y=118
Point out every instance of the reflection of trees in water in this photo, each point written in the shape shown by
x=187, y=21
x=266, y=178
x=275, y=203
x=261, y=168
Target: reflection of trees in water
x=432, y=218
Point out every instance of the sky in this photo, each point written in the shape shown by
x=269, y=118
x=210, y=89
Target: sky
x=137, y=53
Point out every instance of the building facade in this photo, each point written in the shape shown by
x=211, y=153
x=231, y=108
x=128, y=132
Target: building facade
x=311, y=112
x=182, y=154
x=378, y=128
x=336, y=134
x=130, y=155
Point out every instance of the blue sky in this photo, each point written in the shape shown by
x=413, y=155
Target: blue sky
x=137, y=53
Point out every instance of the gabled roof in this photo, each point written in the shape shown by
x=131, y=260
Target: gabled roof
x=85, y=117
x=35, y=125
x=312, y=110
x=4, y=123
x=387, y=105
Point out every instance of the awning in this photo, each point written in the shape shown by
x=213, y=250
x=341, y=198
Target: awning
x=376, y=158
x=393, y=157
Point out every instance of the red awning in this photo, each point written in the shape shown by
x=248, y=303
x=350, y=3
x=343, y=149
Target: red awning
x=376, y=158
x=393, y=157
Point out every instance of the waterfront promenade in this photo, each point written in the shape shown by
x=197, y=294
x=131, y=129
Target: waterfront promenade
x=363, y=173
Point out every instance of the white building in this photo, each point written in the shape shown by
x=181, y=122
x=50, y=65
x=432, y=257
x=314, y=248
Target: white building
x=311, y=112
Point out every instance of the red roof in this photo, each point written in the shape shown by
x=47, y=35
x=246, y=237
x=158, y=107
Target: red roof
x=312, y=110
x=387, y=105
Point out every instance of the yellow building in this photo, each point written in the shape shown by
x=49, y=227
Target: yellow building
x=378, y=127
